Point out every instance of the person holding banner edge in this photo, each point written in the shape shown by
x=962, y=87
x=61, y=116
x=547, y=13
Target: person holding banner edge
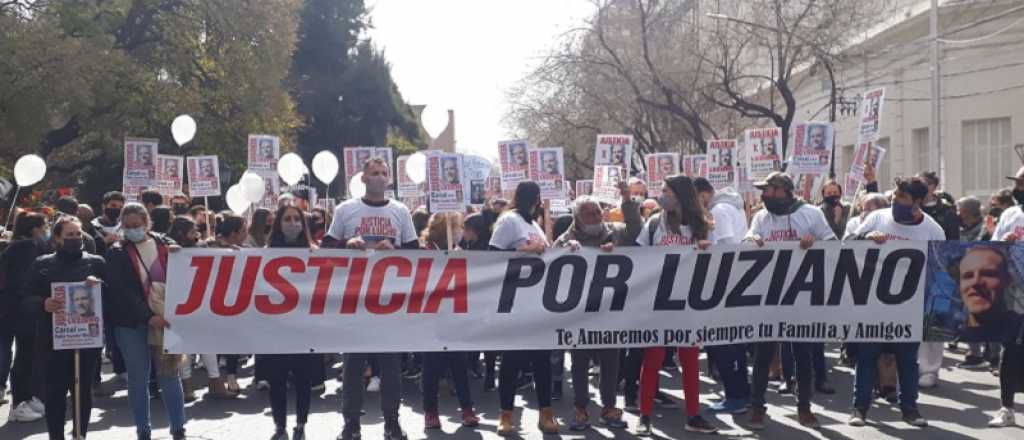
x=70, y=263
x=589, y=230
x=372, y=222
x=784, y=218
x=517, y=230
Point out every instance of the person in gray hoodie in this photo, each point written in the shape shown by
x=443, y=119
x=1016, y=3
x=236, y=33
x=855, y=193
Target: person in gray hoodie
x=589, y=230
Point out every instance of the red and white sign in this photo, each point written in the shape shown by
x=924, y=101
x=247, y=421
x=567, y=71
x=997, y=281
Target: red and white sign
x=263, y=152
x=515, y=163
x=170, y=172
x=813, y=151
x=406, y=187
x=695, y=165
x=870, y=117
x=584, y=187
x=79, y=322
x=203, y=176
x=547, y=170
x=606, y=183
x=659, y=167
x=763, y=151
x=445, y=189
x=867, y=154
x=722, y=162
x=614, y=150
x=139, y=166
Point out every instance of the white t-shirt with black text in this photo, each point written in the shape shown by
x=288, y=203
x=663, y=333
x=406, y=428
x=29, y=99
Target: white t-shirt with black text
x=806, y=220
x=512, y=231
x=881, y=220
x=355, y=218
x=663, y=237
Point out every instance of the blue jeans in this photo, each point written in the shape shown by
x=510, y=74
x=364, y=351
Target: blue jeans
x=867, y=373
x=731, y=362
x=138, y=360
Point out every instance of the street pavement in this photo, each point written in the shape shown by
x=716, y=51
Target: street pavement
x=958, y=408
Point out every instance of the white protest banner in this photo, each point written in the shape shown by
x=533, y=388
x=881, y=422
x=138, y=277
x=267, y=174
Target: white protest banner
x=79, y=322
x=445, y=190
x=870, y=117
x=762, y=151
x=606, y=184
x=547, y=170
x=868, y=154
x=406, y=186
x=584, y=187
x=659, y=167
x=263, y=152
x=813, y=151
x=475, y=170
x=614, y=150
x=169, y=174
x=721, y=162
x=203, y=176
x=139, y=166
x=695, y=165
x=299, y=301
x=515, y=161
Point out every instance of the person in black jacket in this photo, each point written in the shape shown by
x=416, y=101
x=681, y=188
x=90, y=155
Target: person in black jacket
x=940, y=209
x=31, y=239
x=137, y=268
x=70, y=264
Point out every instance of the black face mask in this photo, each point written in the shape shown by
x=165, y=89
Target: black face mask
x=832, y=200
x=112, y=214
x=179, y=209
x=995, y=212
x=777, y=205
x=1018, y=195
x=70, y=249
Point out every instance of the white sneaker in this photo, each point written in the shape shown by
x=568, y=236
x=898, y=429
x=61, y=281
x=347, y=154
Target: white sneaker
x=374, y=385
x=262, y=385
x=23, y=413
x=1003, y=418
x=37, y=406
x=927, y=380
x=3, y=395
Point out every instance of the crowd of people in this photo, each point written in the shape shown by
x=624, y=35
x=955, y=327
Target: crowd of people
x=125, y=248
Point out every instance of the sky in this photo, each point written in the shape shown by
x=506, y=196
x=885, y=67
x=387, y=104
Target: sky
x=465, y=54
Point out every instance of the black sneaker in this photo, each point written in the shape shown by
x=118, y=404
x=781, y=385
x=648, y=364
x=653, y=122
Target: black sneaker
x=913, y=418
x=299, y=433
x=279, y=434
x=178, y=435
x=393, y=431
x=698, y=424
x=974, y=363
x=643, y=429
x=524, y=382
x=556, y=390
x=664, y=401
x=350, y=431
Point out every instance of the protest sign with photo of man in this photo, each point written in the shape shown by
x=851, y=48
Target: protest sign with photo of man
x=867, y=155
x=762, y=148
x=515, y=162
x=271, y=189
x=870, y=116
x=721, y=162
x=203, y=176
x=659, y=167
x=263, y=151
x=139, y=166
x=606, y=183
x=492, y=186
x=584, y=187
x=169, y=174
x=475, y=171
x=79, y=323
x=547, y=169
x=354, y=158
x=615, y=150
x=445, y=190
x=695, y=165
x=813, y=151
x=406, y=186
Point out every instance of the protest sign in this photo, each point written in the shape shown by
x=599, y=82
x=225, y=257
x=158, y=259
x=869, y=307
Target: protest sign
x=870, y=116
x=606, y=184
x=475, y=170
x=203, y=176
x=722, y=162
x=301, y=301
x=868, y=154
x=762, y=151
x=492, y=186
x=445, y=189
x=263, y=152
x=813, y=151
x=354, y=158
x=169, y=172
x=515, y=162
x=406, y=186
x=139, y=166
x=659, y=167
x=614, y=150
x=547, y=170
x=695, y=165
x=271, y=189
x=584, y=187
x=808, y=186
x=79, y=322
x=414, y=202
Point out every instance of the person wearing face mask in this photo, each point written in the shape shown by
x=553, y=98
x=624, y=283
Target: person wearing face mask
x=836, y=212
x=136, y=282
x=259, y=228
x=69, y=264
x=180, y=204
x=318, y=221
x=183, y=231
x=475, y=237
x=69, y=205
x=231, y=234
x=905, y=220
x=517, y=230
x=939, y=206
x=30, y=240
x=289, y=231
x=106, y=225
x=589, y=230
x=784, y=218
x=373, y=221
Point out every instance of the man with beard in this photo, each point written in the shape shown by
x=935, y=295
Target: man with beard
x=816, y=137
x=618, y=156
x=450, y=170
x=549, y=163
x=517, y=154
x=206, y=169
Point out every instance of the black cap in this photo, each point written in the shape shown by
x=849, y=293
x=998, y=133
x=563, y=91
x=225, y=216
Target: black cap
x=777, y=179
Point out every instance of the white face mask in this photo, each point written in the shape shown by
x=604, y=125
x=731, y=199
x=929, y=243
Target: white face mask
x=291, y=231
x=376, y=186
x=134, y=235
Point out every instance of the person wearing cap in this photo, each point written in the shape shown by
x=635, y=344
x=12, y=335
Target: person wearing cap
x=785, y=218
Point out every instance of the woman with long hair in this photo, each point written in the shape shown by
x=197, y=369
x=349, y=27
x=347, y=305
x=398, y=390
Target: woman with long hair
x=517, y=230
x=436, y=364
x=259, y=228
x=683, y=221
x=290, y=230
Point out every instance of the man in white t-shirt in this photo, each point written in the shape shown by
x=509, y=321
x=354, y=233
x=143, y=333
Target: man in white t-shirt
x=1011, y=223
x=903, y=221
x=785, y=218
x=372, y=222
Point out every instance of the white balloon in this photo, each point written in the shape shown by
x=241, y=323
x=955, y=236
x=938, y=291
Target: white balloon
x=236, y=199
x=434, y=119
x=183, y=129
x=291, y=168
x=29, y=170
x=253, y=187
x=416, y=167
x=356, y=187
x=325, y=166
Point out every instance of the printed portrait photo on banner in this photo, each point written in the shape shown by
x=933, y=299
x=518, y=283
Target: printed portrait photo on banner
x=476, y=192
x=206, y=169
x=450, y=170
x=170, y=169
x=974, y=291
x=665, y=166
x=362, y=156
x=266, y=149
x=549, y=164
x=817, y=134
x=517, y=155
x=80, y=302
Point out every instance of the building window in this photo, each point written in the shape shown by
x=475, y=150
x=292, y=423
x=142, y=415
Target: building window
x=922, y=161
x=987, y=155
x=882, y=174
